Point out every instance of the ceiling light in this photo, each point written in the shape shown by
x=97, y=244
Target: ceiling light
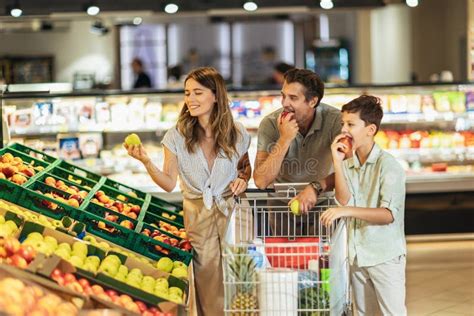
x=326, y=4
x=250, y=6
x=93, y=10
x=15, y=10
x=412, y=3
x=171, y=8
x=137, y=20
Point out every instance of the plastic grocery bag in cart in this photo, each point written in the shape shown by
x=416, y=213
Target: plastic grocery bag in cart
x=339, y=286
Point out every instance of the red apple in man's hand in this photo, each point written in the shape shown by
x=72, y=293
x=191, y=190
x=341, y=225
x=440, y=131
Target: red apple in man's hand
x=283, y=115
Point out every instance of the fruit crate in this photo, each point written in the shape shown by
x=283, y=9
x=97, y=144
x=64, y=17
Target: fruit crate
x=103, y=212
x=114, y=195
x=40, y=203
x=154, y=219
x=165, y=205
x=81, y=197
x=77, y=171
x=146, y=246
x=126, y=190
x=172, y=216
x=121, y=235
x=33, y=153
x=10, y=190
x=64, y=175
x=152, y=228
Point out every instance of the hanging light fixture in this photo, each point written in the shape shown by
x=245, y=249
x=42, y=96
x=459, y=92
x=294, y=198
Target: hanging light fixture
x=171, y=8
x=92, y=8
x=15, y=10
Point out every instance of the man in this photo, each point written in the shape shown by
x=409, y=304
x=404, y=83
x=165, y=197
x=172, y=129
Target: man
x=142, y=79
x=294, y=146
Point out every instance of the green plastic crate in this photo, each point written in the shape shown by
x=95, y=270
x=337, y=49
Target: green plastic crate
x=9, y=191
x=151, y=218
x=33, y=153
x=38, y=203
x=158, y=210
x=124, y=189
x=122, y=236
x=44, y=188
x=153, y=228
x=64, y=175
x=174, y=207
x=35, y=162
x=114, y=194
x=146, y=246
x=74, y=170
x=101, y=211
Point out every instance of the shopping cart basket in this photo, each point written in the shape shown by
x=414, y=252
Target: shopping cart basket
x=276, y=263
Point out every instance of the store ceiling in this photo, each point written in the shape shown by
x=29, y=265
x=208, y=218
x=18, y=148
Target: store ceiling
x=47, y=7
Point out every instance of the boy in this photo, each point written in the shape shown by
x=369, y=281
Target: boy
x=370, y=189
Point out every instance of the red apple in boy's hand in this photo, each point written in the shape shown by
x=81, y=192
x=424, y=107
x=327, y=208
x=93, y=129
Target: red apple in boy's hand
x=348, y=142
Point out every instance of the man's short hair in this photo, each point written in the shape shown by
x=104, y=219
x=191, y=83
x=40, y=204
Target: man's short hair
x=314, y=86
x=369, y=108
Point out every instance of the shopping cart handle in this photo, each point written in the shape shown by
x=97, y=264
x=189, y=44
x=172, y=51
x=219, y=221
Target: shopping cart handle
x=269, y=190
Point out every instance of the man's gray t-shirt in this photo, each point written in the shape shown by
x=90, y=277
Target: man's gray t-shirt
x=308, y=157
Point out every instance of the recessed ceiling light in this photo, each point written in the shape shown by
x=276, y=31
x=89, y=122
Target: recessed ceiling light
x=171, y=8
x=412, y=3
x=250, y=6
x=93, y=10
x=326, y=4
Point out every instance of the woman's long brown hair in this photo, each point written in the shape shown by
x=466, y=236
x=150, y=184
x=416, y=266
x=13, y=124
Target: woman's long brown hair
x=222, y=124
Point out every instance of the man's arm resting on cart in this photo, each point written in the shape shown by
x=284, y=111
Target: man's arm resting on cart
x=268, y=165
x=377, y=216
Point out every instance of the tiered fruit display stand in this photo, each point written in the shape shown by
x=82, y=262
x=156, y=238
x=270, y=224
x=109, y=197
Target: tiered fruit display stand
x=91, y=228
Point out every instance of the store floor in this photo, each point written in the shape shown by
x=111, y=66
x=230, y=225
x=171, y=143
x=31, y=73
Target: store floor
x=440, y=278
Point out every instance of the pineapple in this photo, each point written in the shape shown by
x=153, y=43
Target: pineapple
x=243, y=273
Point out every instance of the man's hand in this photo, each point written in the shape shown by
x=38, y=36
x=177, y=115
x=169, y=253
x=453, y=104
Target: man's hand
x=333, y=213
x=307, y=198
x=287, y=127
x=138, y=152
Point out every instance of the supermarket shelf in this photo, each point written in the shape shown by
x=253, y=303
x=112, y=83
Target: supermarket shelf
x=96, y=128
x=407, y=118
x=440, y=182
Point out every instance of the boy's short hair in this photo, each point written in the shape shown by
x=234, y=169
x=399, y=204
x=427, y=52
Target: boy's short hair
x=369, y=108
x=314, y=86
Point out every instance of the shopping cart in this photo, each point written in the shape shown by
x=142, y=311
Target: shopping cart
x=276, y=263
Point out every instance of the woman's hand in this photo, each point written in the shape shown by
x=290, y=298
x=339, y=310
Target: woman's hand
x=138, y=152
x=238, y=186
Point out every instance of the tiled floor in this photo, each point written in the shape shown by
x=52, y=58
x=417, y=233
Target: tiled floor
x=440, y=278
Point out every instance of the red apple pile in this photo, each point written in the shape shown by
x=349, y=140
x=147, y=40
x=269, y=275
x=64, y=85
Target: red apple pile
x=128, y=209
x=16, y=254
x=83, y=286
x=13, y=169
x=184, y=244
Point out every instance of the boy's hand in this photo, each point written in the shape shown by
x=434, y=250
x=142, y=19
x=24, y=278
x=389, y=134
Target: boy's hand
x=307, y=198
x=238, y=186
x=138, y=152
x=338, y=149
x=287, y=126
x=331, y=214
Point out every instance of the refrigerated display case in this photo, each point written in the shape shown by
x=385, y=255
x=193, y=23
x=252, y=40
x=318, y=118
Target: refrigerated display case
x=429, y=128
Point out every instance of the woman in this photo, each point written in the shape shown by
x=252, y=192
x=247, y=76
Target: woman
x=209, y=152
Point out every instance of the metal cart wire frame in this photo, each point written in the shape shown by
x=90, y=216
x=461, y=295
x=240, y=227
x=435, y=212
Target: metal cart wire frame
x=300, y=269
